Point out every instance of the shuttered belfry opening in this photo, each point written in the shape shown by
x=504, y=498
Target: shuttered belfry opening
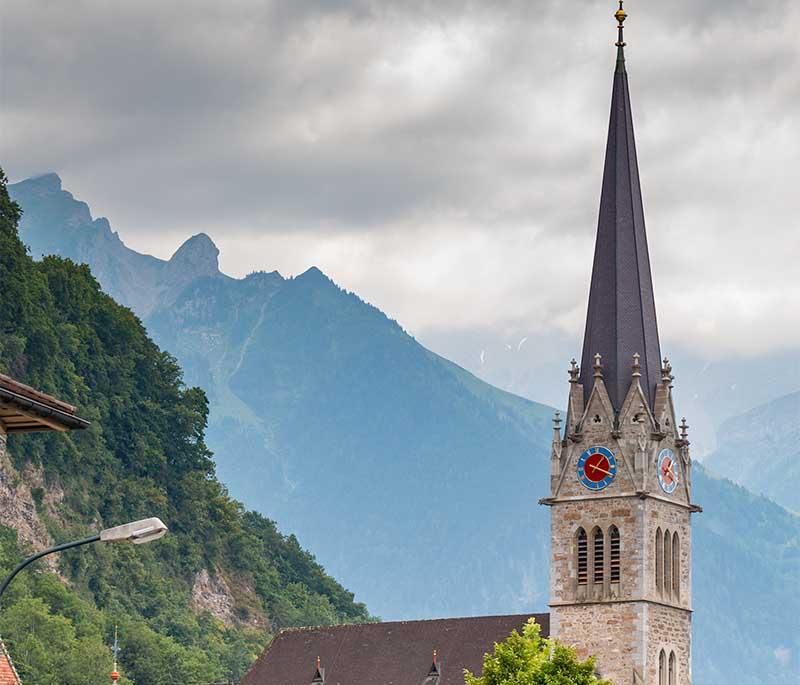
x=599, y=554
x=614, y=569
x=583, y=558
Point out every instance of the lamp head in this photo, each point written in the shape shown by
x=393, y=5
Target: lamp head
x=137, y=532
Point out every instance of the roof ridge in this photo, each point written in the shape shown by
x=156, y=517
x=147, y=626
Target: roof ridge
x=299, y=629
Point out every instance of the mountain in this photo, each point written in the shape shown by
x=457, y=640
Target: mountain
x=198, y=605
x=326, y=416
x=415, y=482
x=758, y=450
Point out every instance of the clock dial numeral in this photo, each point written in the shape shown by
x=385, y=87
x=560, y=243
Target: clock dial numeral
x=597, y=468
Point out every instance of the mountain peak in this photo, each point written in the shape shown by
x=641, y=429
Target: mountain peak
x=314, y=275
x=198, y=254
x=50, y=182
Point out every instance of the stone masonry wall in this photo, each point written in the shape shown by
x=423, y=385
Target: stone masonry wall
x=668, y=629
x=613, y=633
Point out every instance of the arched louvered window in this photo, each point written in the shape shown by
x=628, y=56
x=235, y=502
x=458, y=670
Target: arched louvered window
x=667, y=562
x=583, y=557
x=672, y=673
x=676, y=566
x=662, y=668
x=599, y=556
x=659, y=559
x=614, y=560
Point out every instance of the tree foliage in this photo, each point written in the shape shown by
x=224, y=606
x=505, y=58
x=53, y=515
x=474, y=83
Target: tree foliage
x=530, y=659
x=144, y=455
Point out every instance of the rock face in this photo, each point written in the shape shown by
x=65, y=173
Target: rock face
x=211, y=593
x=17, y=506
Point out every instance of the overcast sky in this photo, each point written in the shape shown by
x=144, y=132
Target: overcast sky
x=442, y=159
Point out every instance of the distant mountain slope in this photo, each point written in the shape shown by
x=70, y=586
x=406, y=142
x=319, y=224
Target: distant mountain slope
x=138, y=281
x=416, y=483
x=759, y=450
x=195, y=607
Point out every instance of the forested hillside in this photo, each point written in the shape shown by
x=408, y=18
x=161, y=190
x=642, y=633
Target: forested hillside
x=144, y=455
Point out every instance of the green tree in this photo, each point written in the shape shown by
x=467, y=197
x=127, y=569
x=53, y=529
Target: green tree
x=530, y=659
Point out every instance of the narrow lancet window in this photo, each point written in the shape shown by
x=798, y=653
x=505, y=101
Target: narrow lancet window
x=583, y=558
x=599, y=556
x=659, y=559
x=662, y=668
x=672, y=674
x=614, y=569
x=667, y=562
x=676, y=566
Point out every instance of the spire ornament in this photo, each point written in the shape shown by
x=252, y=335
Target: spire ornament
x=598, y=365
x=620, y=15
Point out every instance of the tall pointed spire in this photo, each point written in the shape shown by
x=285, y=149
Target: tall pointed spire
x=621, y=319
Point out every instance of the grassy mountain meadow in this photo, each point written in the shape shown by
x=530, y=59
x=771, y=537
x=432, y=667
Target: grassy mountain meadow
x=144, y=455
x=413, y=482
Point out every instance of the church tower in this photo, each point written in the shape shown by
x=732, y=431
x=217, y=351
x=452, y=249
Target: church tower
x=620, y=570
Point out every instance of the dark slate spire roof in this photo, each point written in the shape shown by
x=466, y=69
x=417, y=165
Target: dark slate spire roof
x=621, y=320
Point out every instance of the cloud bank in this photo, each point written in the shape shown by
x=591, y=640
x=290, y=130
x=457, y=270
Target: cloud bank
x=443, y=159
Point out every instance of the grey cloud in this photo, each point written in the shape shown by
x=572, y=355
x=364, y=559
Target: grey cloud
x=286, y=124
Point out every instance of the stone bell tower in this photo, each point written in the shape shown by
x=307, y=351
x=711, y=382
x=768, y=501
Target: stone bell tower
x=620, y=497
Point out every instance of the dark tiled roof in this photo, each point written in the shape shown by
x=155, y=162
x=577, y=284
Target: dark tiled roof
x=397, y=653
x=621, y=320
x=23, y=408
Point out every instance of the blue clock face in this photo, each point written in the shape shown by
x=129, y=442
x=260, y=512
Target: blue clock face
x=667, y=471
x=597, y=468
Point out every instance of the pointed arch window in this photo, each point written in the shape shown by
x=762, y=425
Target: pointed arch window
x=614, y=554
x=672, y=674
x=667, y=562
x=659, y=559
x=676, y=565
x=599, y=556
x=583, y=557
x=662, y=668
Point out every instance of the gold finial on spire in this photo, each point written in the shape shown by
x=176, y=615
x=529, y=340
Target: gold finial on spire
x=620, y=15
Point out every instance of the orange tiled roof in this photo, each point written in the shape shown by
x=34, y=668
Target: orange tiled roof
x=8, y=674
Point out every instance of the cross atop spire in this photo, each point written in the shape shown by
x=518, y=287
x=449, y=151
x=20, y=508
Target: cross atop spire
x=621, y=319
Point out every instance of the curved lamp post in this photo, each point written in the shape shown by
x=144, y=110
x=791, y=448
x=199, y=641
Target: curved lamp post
x=137, y=532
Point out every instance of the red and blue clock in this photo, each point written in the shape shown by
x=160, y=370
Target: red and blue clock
x=597, y=468
x=667, y=471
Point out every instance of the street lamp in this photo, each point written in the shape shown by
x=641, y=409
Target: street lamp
x=137, y=532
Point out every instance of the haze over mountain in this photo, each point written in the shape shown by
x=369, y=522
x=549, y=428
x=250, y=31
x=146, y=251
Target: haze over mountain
x=412, y=481
x=758, y=449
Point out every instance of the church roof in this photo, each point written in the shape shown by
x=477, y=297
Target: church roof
x=621, y=319
x=395, y=653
